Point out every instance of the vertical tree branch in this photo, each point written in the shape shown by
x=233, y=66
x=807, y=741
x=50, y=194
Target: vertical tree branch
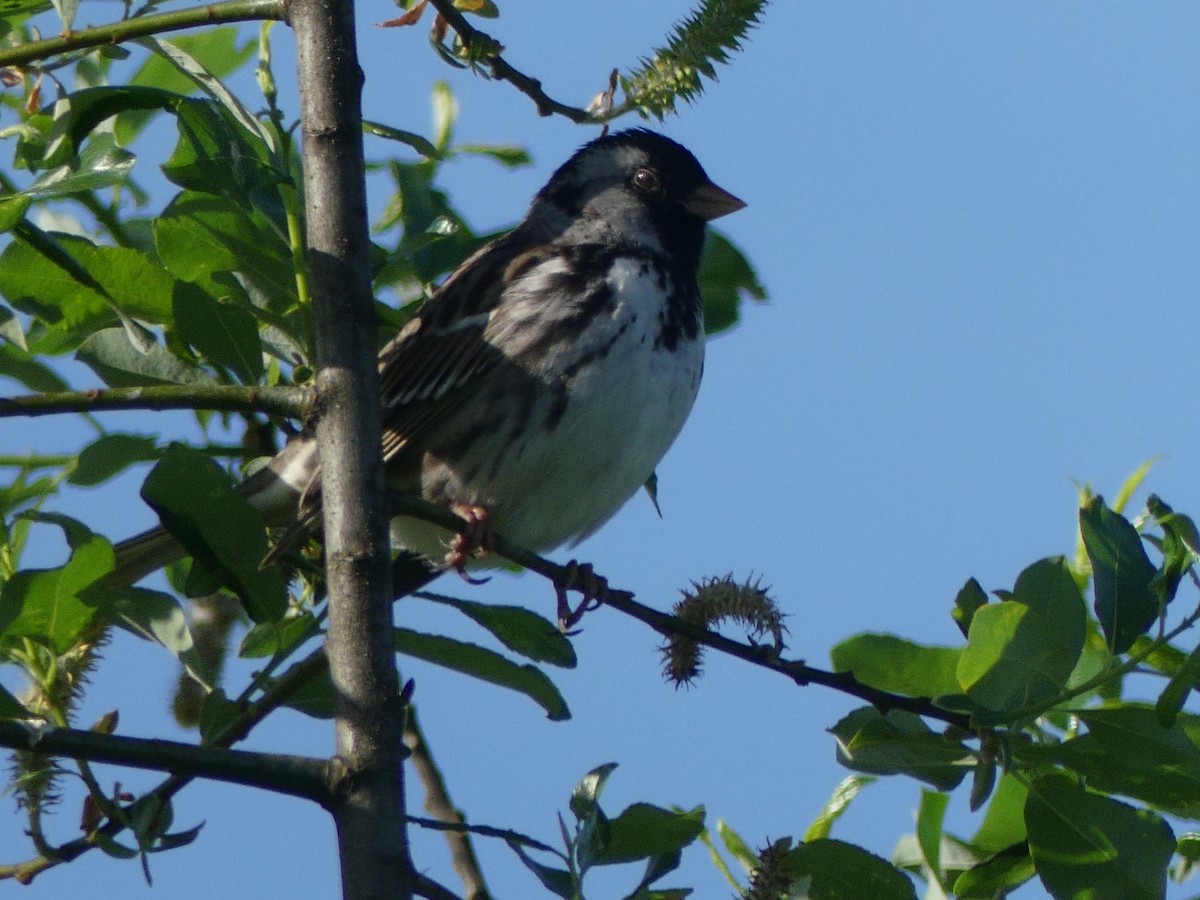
x=368, y=804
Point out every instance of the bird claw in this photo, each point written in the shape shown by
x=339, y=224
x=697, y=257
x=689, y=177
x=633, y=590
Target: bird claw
x=473, y=541
x=578, y=577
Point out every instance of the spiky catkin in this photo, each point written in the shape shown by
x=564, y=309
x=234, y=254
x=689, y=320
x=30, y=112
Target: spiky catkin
x=773, y=876
x=705, y=37
x=51, y=698
x=711, y=602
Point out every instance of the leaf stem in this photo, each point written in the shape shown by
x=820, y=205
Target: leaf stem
x=289, y=401
x=128, y=29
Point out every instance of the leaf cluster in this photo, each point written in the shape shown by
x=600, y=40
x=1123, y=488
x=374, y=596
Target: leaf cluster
x=1074, y=741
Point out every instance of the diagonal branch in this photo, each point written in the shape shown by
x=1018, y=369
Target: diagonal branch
x=763, y=656
x=439, y=804
x=502, y=71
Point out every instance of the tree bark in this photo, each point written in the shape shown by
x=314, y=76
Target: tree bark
x=368, y=801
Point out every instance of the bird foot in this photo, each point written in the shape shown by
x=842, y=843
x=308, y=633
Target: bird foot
x=473, y=541
x=578, y=577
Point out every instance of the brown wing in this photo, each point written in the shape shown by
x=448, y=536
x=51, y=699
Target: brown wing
x=423, y=369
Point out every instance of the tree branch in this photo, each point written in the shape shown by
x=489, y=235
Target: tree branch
x=368, y=804
x=291, y=402
x=502, y=71
x=441, y=807
x=665, y=624
x=127, y=30
x=297, y=776
x=232, y=732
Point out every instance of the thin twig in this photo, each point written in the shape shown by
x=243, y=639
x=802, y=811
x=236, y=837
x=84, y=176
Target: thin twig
x=127, y=30
x=235, y=730
x=439, y=805
x=287, y=401
x=501, y=70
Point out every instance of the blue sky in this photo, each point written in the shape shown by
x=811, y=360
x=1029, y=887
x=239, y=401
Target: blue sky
x=978, y=226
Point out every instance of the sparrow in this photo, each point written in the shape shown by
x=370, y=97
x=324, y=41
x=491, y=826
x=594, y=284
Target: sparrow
x=540, y=385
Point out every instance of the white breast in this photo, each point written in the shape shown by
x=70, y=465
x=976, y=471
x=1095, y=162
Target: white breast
x=625, y=406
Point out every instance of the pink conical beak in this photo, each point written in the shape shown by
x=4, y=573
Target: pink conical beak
x=711, y=202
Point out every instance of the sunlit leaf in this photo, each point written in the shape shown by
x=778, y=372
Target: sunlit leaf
x=1122, y=573
x=1079, y=840
x=485, y=665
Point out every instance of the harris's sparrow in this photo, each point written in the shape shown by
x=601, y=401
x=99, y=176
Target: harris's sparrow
x=541, y=384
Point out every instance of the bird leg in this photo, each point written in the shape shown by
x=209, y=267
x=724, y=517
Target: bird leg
x=474, y=540
x=578, y=577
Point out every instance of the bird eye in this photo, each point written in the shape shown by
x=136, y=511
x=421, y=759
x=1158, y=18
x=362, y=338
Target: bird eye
x=646, y=180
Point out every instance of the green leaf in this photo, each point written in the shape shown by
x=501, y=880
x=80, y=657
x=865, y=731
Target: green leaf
x=1188, y=850
x=1125, y=604
x=11, y=329
x=108, y=455
x=834, y=870
x=1086, y=845
x=19, y=365
x=158, y=617
x=217, y=712
x=415, y=141
x=725, y=277
x=228, y=103
x=1021, y=652
x=900, y=743
x=101, y=164
x=49, y=605
x=837, y=804
x=224, y=334
x=559, y=882
x=66, y=10
x=445, y=112
x=218, y=527
x=315, y=698
x=643, y=831
x=894, y=664
x=270, y=638
x=216, y=156
x=200, y=236
x=969, y=600
x=509, y=156
x=77, y=115
x=930, y=815
x=519, y=629
x=79, y=287
x=996, y=876
x=656, y=868
x=1171, y=700
x=12, y=211
x=15, y=12
x=585, y=796
x=1180, y=549
x=216, y=49
x=1127, y=751
x=737, y=847
x=1004, y=822
x=111, y=355
x=485, y=665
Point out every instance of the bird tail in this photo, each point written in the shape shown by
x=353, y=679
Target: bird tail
x=143, y=554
